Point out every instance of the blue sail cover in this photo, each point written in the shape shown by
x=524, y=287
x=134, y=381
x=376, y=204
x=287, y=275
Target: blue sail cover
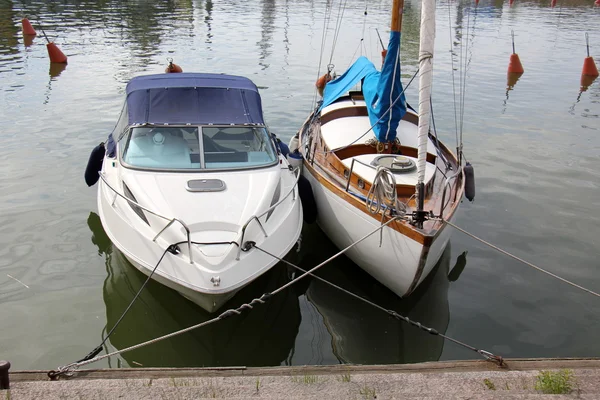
x=379, y=88
x=193, y=98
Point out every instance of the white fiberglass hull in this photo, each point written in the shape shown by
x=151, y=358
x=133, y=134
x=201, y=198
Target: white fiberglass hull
x=216, y=273
x=400, y=263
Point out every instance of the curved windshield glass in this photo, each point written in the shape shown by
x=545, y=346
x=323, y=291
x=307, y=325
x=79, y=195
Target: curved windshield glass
x=234, y=147
x=181, y=148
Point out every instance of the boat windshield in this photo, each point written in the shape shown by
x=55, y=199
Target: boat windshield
x=221, y=147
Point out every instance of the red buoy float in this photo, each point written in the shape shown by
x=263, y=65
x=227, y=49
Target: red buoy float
x=589, y=66
x=514, y=65
x=322, y=81
x=56, y=56
x=27, y=28
x=172, y=68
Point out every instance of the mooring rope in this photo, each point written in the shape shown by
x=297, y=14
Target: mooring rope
x=69, y=368
x=486, y=354
x=521, y=260
x=99, y=348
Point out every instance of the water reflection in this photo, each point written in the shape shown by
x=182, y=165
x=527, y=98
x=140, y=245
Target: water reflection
x=207, y=21
x=266, y=32
x=262, y=337
x=362, y=334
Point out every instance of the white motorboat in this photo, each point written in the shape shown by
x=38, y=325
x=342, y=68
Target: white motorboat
x=369, y=160
x=191, y=178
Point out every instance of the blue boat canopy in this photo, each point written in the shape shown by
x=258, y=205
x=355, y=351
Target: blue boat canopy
x=380, y=89
x=193, y=98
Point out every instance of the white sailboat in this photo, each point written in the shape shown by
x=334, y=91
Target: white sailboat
x=369, y=159
x=192, y=168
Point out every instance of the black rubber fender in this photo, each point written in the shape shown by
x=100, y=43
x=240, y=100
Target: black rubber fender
x=309, y=205
x=469, y=181
x=94, y=165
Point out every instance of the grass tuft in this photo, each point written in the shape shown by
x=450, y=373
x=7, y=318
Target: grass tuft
x=555, y=382
x=367, y=392
x=306, y=379
x=490, y=385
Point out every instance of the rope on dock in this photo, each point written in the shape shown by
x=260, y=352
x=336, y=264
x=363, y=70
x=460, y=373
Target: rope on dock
x=70, y=368
x=521, y=260
x=486, y=354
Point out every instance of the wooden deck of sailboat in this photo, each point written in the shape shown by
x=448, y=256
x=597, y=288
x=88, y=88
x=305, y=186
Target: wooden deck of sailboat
x=332, y=166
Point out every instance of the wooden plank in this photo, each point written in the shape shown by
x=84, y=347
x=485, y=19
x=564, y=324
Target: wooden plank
x=514, y=364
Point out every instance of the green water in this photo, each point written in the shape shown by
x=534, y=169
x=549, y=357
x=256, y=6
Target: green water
x=535, y=149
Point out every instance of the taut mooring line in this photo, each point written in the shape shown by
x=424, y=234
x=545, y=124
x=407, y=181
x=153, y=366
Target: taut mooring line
x=521, y=260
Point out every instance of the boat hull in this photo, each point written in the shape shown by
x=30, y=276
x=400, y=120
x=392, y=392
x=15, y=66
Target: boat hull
x=399, y=262
x=200, y=282
x=209, y=302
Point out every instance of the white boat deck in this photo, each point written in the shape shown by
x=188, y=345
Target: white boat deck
x=342, y=132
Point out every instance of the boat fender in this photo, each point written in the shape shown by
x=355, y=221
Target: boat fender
x=285, y=150
x=309, y=205
x=294, y=144
x=295, y=159
x=94, y=165
x=469, y=181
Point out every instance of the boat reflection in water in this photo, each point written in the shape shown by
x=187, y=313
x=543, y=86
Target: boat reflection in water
x=362, y=334
x=263, y=336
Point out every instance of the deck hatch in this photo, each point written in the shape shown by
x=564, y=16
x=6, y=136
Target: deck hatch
x=205, y=185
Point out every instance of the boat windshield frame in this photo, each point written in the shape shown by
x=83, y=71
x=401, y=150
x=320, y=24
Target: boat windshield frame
x=125, y=138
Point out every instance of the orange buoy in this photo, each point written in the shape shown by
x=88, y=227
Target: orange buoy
x=172, y=68
x=476, y=2
x=383, y=54
x=510, y=3
x=322, y=81
x=56, y=56
x=553, y=3
x=27, y=28
x=589, y=66
x=597, y=2
x=514, y=65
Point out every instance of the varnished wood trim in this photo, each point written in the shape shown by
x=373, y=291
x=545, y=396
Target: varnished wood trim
x=358, y=111
x=361, y=111
x=402, y=227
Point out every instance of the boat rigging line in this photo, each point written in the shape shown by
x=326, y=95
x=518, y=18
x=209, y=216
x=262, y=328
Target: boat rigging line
x=326, y=20
x=453, y=80
x=247, y=246
x=517, y=258
x=486, y=354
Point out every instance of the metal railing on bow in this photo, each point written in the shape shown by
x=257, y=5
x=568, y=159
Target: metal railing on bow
x=256, y=217
x=171, y=220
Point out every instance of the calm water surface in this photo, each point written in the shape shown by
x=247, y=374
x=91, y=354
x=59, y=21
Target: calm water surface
x=536, y=150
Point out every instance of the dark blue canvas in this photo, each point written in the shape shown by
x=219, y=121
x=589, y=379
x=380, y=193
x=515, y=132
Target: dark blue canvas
x=192, y=98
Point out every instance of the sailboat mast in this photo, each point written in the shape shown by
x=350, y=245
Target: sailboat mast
x=397, y=9
x=427, y=40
